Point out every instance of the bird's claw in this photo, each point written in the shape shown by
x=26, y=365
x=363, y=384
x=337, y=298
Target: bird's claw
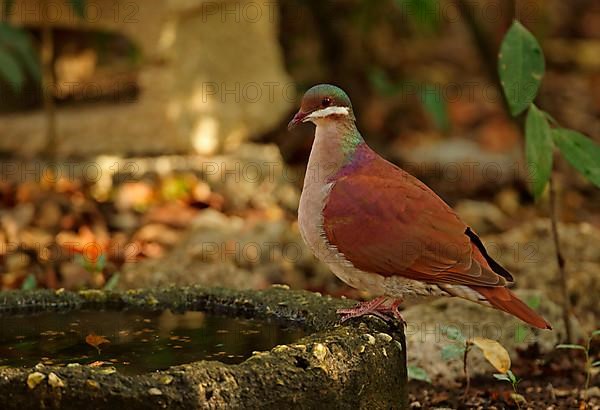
x=373, y=307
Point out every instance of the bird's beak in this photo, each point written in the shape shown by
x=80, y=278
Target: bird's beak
x=298, y=118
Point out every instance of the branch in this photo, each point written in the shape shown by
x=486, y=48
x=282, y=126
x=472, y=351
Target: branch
x=560, y=260
x=466, y=368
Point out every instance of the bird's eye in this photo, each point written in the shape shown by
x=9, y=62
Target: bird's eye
x=326, y=102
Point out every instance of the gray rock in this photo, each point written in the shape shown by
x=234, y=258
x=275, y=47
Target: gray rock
x=253, y=175
x=460, y=165
x=234, y=252
x=483, y=217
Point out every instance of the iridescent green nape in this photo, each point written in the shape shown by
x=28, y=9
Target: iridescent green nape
x=350, y=140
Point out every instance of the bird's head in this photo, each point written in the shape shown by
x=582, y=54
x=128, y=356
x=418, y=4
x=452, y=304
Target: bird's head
x=323, y=101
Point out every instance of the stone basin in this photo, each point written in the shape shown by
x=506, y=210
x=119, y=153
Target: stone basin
x=323, y=364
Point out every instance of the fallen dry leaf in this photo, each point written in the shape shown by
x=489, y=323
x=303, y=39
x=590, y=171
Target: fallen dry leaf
x=96, y=341
x=91, y=245
x=173, y=214
x=494, y=352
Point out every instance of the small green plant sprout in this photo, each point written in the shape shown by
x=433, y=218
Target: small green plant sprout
x=92, y=264
x=29, y=283
x=492, y=350
x=510, y=377
x=460, y=347
x=112, y=283
x=590, y=364
x=418, y=373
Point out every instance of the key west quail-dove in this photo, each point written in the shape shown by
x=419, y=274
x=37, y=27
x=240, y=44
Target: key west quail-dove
x=382, y=230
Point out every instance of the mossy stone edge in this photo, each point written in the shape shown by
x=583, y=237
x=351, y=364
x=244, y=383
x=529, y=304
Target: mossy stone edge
x=356, y=365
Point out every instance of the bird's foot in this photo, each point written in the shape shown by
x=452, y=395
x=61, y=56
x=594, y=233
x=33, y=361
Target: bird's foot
x=375, y=307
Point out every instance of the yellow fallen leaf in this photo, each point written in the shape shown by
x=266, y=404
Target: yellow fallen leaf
x=494, y=352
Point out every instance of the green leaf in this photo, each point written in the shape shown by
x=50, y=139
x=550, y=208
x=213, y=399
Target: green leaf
x=538, y=149
x=571, y=346
x=501, y=376
x=112, y=282
x=417, y=373
x=596, y=363
x=511, y=377
x=521, y=67
x=79, y=7
x=596, y=333
x=29, y=283
x=452, y=351
x=19, y=42
x=454, y=333
x=10, y=70
x=580, y=151
x=100, y=263
x=436, y=107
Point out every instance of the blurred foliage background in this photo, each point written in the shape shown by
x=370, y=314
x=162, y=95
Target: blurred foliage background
x=145, y=143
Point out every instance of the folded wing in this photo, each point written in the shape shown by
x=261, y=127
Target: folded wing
x=386, y=221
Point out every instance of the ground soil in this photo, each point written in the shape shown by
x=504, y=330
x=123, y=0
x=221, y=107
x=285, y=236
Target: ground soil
x=552, y=382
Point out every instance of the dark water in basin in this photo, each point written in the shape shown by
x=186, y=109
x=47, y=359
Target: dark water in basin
x=139, y=342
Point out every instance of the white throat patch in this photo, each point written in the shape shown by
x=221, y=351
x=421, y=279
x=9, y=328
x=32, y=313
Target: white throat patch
x=325, y=112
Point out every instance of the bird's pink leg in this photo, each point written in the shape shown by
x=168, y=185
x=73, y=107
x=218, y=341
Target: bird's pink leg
x=393, y=310
x=375, y=307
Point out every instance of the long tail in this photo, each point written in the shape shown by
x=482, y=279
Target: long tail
x=503, y=299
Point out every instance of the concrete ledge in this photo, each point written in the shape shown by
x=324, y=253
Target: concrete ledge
x=358, y=365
